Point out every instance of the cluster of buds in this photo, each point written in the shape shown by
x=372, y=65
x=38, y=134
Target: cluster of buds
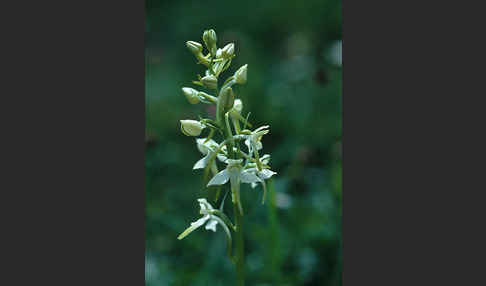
x=239, y=149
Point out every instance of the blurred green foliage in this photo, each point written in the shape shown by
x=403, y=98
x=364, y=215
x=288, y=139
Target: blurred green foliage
x=292, y=49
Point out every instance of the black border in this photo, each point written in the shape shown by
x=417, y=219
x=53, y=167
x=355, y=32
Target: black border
x=76, y=74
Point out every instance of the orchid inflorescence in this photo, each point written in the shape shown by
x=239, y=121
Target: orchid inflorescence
x=239, y=149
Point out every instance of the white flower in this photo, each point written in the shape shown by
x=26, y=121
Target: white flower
x=254, y=139
x=208, y=218
x=207, y=148
x=234, y=173
x=263, y=174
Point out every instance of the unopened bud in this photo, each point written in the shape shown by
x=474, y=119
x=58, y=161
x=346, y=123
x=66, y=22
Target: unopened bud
x=240, y=74
x=228, y=50
x=210, y=39
x=191, y=127
x=219, y=53
x=194, y=47
x=191, y=95
x=210, y=81
x=227, y=98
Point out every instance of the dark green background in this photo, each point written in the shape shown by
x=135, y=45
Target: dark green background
x=294, y=84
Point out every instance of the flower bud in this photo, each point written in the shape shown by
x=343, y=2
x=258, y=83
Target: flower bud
x=228, y=50
x=240, y=74
x=191, y=127
x=219, y=53
x=191, y=95
x=210, y=81
x=194, y=47
x=210, y=39
x=227, y=98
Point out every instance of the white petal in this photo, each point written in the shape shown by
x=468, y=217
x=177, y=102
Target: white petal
x=222, y=158
x=247, y=177
x=194, y=225
x=205, y=147
x=200, y=221
x=200, y=145
x=252, y=170
x=265, y=159
x=261, y=128
x=266, y=174
x=219, y=179
x=211, y=225
x=202, y=163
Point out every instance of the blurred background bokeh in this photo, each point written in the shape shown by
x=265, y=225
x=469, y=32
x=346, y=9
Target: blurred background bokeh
x=293, y=52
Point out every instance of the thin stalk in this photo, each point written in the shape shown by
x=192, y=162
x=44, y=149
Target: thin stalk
x=240, y=248
x=239, y=258
x=221, y=122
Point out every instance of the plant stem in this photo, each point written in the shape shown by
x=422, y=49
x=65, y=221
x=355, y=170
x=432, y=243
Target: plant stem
x=240, y=248
x=239, y=258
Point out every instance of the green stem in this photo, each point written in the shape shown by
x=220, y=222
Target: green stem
x=221, y=122
x=239, y=258
x=240, y=248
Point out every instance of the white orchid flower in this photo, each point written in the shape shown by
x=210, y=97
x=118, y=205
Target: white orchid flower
x=264, y=174
x=208, y=218
x=207, y=148
x=253, y=141
x=234, y=173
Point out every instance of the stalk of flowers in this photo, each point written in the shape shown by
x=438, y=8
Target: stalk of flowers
x=238, y=153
